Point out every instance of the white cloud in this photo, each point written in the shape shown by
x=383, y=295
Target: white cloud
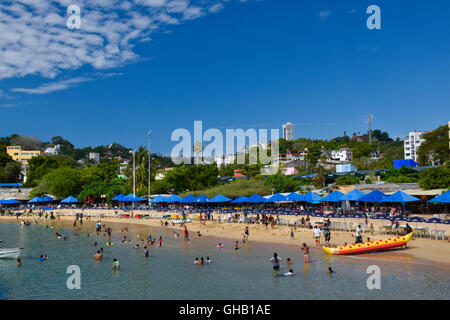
x=324, y=14
x=34, y=39
x=53, y=86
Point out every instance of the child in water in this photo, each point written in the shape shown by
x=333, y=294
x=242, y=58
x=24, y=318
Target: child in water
x=116, y=264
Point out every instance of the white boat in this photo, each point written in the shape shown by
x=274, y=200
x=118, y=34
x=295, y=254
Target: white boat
x=181, y=221
x=12, y=253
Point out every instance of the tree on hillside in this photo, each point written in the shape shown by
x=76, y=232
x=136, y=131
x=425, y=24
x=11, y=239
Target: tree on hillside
x=435, y=178
x=10, y=172
x=435, y=148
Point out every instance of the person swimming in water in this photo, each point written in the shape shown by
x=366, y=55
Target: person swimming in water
x=19, y=262
x=208, y=260
x=287, y=274
x=202, y=261
x=236, y=246
x=136, y=246
x=330, y=270
x=41, y=258
x=116, y=264
x=98, y=256
x=146, y=252
x=196, y=261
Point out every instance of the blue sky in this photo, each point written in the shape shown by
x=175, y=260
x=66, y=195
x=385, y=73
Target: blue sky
x=161, y=64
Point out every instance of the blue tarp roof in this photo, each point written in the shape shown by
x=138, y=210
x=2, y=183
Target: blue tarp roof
x=353, y=195
x=219, y=198
x=443, y=198
x=240, y=200
x=294, y=196
x=69, y=199
x=10, y=185
x=401, y=197
x=405, y=162
x=374, y=196
x=202, y=199
x=174, y=198
x=119, y=197
x=312, y=197
x=256, y=198
x=9, y=201
x=335, y=196
x=276, y=197
x=189, y=199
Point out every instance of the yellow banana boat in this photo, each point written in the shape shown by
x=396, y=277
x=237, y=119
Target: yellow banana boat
x=370, y=246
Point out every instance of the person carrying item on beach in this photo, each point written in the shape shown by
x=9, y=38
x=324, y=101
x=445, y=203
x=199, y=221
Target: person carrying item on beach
x=316, y=232
x=116, y=264
x=305, y=250
x=275, y=261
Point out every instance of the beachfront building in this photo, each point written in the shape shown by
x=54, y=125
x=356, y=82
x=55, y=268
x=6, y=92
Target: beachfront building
x=20, y=155
x=288, y=131
x=94, y=157
x=376, y=155
x=342, y=155
x=412, y=143
x=224, y=160
x=53, y=151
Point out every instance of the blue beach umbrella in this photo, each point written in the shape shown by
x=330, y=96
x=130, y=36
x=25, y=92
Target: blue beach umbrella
x=119, y=197
x=335, y=196
x=132, y=198
x=159, y=199
x=276, y=197
x=69, y=199
x=400, y=197
x=375, y=196
x=202, y=199
x=174, y=198
x=35, y=200
x=312, y=197
x=294, y=197
x=443, y=198
x=256, y=198
x=189, y=199
x=240, y=200
x=219, y=199
x=47, y=199
x=354, y=195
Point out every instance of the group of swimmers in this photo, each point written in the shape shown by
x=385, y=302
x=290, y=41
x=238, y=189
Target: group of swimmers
x=201, y=261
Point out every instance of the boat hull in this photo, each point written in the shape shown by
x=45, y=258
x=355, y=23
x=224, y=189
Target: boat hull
x=9, y=253
x=371, y=246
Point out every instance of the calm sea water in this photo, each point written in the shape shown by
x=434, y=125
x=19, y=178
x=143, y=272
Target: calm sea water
x=169, y=273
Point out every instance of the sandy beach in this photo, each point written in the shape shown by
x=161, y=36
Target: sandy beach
x=419, y=250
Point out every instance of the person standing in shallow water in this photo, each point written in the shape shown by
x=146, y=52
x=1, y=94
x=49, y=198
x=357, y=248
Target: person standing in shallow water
x=305, y=250
x=275, y=261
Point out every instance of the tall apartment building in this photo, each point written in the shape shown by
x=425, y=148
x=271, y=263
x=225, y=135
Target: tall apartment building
x=412, y=143
x=20, y=155
x=288, y=131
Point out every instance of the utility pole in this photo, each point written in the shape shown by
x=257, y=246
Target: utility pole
x=149, y=164
x=369, y=121
x=134, y=173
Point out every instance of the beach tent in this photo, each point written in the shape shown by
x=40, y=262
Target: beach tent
x=174, y=198
x=400, y=197
x=276, y=197
x=159, y=199
x=312, y=197
x=9, y=201
x=240, y=200
x=69, y=199
x=294, y=196
x=35, y=200
x=202, y=199
x=188, y=199
x=354, y=195
x=374, y=196
x=335, y=196
x=219, y=199
x=118, y=198
x=256, y=198
x=443, y=198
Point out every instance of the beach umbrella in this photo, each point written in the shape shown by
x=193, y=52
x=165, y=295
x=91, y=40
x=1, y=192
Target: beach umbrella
x=47, y=199
x=294, y=197
x=240, y=200
x=256, y=198
x=69, y=199
x=219, y=199
x=443, y=198
x=374, y=196
x=276, y=197
x=202, y=199
x=312, y=197
x=335, y=196
x=11, y=201
x=189, y=199
x=118, y=198
x=400, y=197
x=354, y=195
x=35, y=200
x=159, y=199
x=174, y=198
x=132, y=198
x=49, y=208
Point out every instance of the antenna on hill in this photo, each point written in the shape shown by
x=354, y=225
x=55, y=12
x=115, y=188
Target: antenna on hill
x=369, y=121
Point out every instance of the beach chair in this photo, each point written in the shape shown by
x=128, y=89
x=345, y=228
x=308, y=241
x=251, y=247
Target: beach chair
x=350, y=226
x=344, y=226
x=434, y=233
x=339, y=226
x=442, y=234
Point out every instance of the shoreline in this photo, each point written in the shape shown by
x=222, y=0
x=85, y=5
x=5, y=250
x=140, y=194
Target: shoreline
x=419, y=251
